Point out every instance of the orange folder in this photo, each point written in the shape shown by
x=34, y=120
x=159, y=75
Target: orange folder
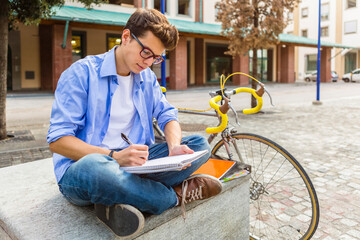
x=215, y=167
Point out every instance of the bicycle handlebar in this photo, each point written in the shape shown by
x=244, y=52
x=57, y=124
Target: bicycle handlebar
x=224, y=119
x=256, y=95
x=223, y=116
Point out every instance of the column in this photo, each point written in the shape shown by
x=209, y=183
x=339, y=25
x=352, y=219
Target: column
x=325, y=66
x=138, y=3
x=241, y=64
x=197, y=10
x=178, y=66
x=61, y=57
x=286, y=67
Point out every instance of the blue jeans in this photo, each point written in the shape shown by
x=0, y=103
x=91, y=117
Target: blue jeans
x=97, y=179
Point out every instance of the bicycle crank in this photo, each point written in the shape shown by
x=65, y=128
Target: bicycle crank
x=256, y=190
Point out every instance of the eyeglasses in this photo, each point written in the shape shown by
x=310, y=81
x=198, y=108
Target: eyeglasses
x=146, y=53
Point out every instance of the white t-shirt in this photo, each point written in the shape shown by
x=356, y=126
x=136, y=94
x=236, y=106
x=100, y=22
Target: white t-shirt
x=121, y=114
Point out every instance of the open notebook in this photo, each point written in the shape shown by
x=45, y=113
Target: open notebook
x=172, y=163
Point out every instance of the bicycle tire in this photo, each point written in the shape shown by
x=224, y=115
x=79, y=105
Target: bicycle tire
x=283, y=199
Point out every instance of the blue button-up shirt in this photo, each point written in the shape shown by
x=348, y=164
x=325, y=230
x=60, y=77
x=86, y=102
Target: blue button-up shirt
x=83, y=101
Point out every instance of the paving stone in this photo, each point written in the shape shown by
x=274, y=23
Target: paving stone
x=328, y=238
x=333, y=215
x=303, y=218
x=337, y=209
x=354, y=185
x=354, y=233
x=347, y=237
x=348, y=222
x=26, y=156
x=4, y=163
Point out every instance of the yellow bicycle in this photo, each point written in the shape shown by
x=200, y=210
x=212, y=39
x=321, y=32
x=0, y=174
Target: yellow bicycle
x=283, y=201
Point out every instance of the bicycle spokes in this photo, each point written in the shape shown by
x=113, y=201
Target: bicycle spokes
x=283, y=202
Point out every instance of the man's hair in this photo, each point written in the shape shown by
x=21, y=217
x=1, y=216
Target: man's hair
x=143, y=20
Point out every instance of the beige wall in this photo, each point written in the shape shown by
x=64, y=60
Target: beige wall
x=95, y=39
x=339, y=59
x=30, y=55
x=297, y=33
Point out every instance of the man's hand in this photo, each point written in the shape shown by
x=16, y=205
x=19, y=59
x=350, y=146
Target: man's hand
x=134, y=155
x=180, y=149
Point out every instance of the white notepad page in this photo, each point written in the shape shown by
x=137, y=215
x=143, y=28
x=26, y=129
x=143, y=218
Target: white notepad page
x=164, y=164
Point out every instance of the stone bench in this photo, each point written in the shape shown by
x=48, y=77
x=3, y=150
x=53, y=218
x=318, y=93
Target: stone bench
x=31, y=207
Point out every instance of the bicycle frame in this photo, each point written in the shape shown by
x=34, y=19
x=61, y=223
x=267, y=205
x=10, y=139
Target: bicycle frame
x=280, y=163
x=225, y=135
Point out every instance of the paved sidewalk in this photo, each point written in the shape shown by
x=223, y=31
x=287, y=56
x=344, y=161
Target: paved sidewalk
x=324, y=139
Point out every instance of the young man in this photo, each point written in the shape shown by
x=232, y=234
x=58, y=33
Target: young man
x=100, y=97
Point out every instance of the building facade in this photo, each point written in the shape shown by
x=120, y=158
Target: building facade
x=39, y=54
x=340, y=23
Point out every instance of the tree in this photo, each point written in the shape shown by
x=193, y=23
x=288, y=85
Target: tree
x=27, y=12
x=253, y=25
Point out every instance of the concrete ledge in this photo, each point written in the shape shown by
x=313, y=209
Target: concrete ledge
x=31, y=207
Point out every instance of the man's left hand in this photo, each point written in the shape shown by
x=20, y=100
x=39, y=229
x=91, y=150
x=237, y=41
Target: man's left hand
x=180, y=149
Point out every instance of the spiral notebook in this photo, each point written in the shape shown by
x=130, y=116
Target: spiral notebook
x=172, y=163
x=215, y=167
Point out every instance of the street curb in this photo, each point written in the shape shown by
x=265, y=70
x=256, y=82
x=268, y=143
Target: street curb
x=19, y=156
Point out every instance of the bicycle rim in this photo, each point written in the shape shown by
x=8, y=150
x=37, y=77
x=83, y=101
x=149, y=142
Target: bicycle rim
x=283, y=201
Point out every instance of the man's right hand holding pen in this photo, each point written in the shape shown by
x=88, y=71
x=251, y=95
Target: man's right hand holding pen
x=134, y=155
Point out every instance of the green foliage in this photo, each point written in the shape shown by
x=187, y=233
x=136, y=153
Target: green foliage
x=32, y=11
x=253, y=24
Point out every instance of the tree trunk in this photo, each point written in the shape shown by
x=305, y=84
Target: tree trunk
x=254, y=58
x=3, y=65
x=254, y=74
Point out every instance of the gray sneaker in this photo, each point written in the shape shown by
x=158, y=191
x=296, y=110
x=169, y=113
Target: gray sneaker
x=124, y=220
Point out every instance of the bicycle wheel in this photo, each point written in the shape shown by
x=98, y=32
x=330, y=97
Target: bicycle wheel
x=283, y=201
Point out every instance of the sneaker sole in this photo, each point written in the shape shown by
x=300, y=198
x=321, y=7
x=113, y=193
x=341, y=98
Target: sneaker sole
x=124, y=220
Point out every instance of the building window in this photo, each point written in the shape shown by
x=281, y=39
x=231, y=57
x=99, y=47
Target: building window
x=217, y=63
x=325, y=12
x=184, y=7
x=112, y=40
x=78, y=44
x=304, y=33
x=157, y=5
x=350, y=62
x=351, y=3
x=262, y=64
x=304, y=12
x=290, y=16
x=311, y=62
x=124, y=3
x=350, y=27
x=325, y=31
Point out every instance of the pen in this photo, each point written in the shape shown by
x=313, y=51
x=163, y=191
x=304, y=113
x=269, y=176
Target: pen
x=126, y=139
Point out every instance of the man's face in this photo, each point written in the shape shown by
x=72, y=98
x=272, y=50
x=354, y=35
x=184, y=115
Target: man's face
x=134, y=53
